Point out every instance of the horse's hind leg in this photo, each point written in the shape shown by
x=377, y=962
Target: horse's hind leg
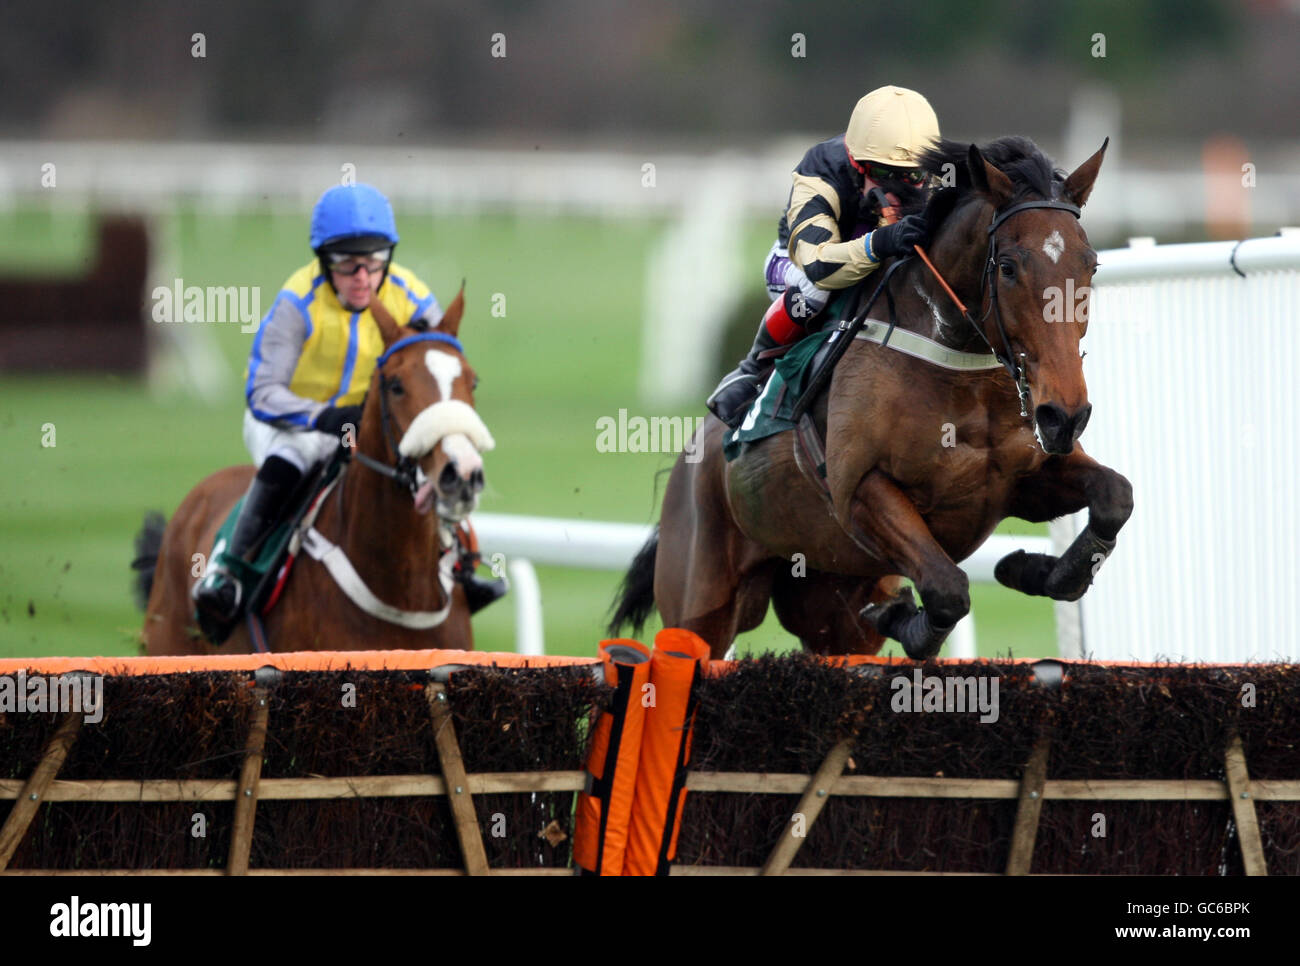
x=709, y=578
x=168, y=628
x=743, y=607
x=698, y=588
x=167, y=622
x=718, y=628
x=824, y=610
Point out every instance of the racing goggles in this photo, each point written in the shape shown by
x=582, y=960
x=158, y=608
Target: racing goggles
x=879, y=173
x=346, y=263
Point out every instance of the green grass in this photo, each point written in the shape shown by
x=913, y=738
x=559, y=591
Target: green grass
x=566, y=353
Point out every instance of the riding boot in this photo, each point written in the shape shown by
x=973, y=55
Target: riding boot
x=219, y=596
x=740, y=387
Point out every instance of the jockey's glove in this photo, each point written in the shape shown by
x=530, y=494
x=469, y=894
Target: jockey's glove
x=332, y=419
x=898, y=238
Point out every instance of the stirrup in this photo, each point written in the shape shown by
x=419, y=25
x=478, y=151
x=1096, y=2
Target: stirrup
x=209, y=582
x=217, y=626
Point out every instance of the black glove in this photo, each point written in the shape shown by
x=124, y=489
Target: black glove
x=333, y=418
x=898, y=238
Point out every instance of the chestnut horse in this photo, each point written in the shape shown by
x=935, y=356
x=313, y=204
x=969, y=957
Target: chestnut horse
x=928, y=442
x=417, y=448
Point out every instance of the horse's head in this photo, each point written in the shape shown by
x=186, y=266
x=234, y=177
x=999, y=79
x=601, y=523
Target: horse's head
x=420, y=411
x=1026, y=265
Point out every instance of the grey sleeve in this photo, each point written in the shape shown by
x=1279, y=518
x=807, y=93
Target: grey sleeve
x=271, y=365
x=431, y=313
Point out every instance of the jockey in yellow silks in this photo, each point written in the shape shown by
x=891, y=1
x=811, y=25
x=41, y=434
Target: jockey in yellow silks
x=310, y=367
x=831, y=236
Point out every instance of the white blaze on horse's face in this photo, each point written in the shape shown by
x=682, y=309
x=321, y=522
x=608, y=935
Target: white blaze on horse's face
x=446, y=370
x=1054, y=246
x=455, y=425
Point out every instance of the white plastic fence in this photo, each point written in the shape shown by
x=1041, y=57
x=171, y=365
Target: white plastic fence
x=1191, y=369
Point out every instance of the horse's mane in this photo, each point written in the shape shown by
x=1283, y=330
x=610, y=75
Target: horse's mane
x=1020, y=159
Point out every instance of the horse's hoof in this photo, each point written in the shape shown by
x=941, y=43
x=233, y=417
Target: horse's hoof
x=1069, y=594
x=1025, y=572
x=885, y=617
x=925, y=651
x=1069, y=598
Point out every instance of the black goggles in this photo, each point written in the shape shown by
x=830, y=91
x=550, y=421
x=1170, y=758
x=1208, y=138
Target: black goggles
x=879, y=173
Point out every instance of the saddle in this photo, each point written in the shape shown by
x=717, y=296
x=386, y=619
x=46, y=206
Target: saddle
x=774, y=410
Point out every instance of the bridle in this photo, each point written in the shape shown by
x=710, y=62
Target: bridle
x=1013, y=367
x=404, y=468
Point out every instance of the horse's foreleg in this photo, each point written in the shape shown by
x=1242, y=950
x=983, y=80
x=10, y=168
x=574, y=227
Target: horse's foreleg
x=886, y=524
x=1067, y=484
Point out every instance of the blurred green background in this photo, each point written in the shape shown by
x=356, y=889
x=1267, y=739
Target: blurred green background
x=566, y=353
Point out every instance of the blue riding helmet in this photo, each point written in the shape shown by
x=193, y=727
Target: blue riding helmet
x=352, y=211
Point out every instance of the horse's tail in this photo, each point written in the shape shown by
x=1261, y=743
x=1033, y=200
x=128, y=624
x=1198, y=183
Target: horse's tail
x=147, y=544
x=635, y=598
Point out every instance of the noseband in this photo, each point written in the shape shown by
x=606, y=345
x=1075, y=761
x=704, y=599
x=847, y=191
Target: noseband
x=1013, y=367
x=403, y=470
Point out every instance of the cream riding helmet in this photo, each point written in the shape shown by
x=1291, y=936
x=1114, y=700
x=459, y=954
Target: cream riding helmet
x=891, y=126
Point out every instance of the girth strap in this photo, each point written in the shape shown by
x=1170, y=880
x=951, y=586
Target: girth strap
x=810, y=453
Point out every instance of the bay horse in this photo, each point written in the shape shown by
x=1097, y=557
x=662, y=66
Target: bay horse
x=415, y=475
x=924, y=453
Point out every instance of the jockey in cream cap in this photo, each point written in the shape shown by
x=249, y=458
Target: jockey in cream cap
x=831, y=235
